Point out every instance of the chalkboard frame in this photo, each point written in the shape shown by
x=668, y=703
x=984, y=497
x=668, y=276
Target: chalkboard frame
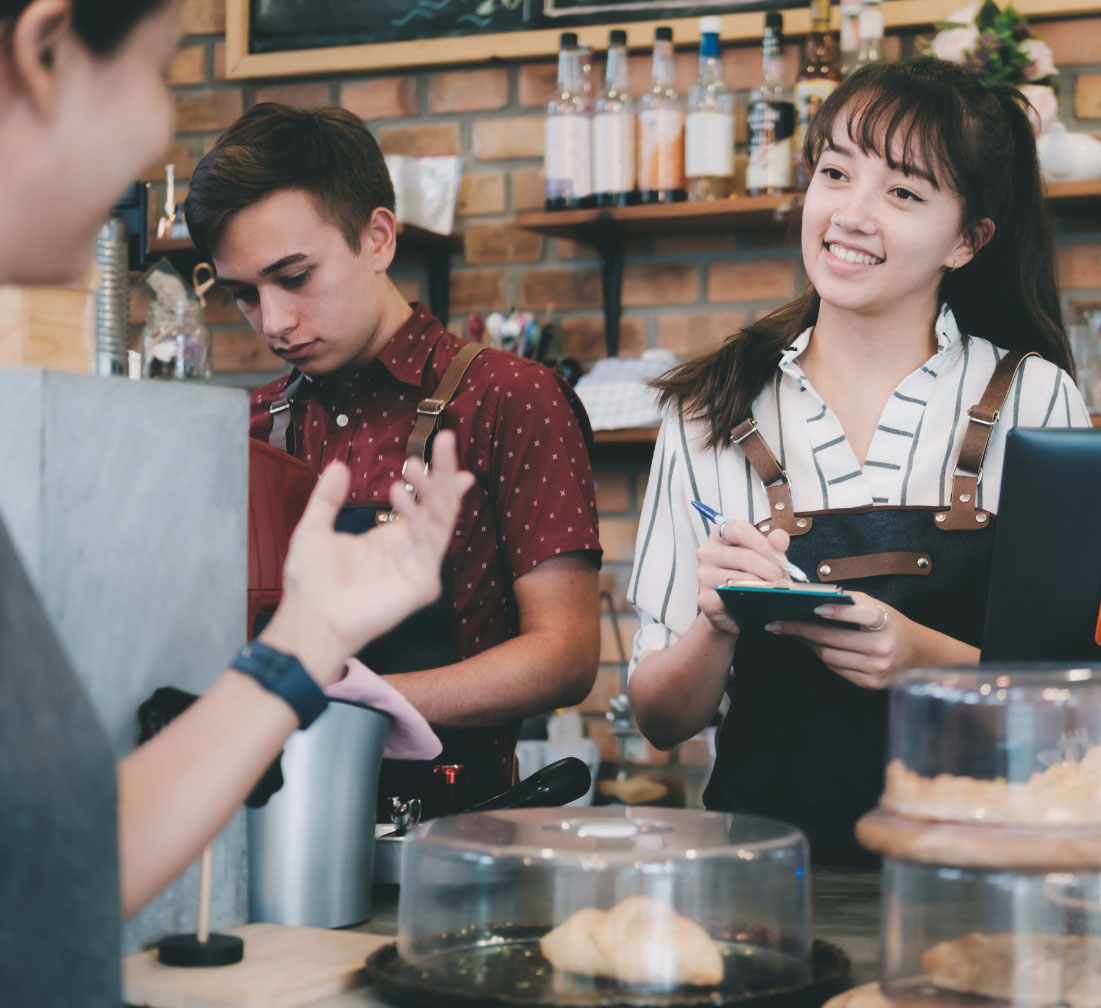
x=242, y=63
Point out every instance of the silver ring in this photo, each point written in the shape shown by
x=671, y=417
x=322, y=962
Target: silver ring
x=880, y=625
x=723, y=538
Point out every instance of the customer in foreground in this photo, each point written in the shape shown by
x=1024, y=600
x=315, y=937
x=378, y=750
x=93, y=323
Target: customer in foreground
x=83, y=110
x=858, y=432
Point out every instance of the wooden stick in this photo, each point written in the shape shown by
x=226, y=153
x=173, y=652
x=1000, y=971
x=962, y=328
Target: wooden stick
x=206, y=861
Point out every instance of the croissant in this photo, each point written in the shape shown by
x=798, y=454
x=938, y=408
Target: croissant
x=639, y=941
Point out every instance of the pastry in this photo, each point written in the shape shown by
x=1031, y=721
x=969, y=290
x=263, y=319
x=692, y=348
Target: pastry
x=1027, y=969
x=1066, y=793
x=639, y=941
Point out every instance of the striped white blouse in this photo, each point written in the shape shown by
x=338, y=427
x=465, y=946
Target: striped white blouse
x=909, y=463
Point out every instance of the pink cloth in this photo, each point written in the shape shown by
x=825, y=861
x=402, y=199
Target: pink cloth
x=410, y=737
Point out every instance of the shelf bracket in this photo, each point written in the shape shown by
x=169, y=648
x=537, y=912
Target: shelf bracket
x=611, y=246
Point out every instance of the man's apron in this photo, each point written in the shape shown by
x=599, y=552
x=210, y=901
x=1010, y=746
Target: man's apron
x=800, y=743
x=423, y=641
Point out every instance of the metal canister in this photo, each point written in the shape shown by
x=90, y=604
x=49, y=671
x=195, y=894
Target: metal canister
x=112, y=297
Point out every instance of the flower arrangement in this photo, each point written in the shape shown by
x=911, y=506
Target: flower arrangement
x=998, y=46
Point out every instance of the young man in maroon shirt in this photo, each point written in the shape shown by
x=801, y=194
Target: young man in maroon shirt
x=296, y=210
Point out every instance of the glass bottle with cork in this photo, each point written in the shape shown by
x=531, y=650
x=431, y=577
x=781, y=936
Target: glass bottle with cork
x=661, y=129
x=567, y=164
x=818, y=77
x=771, y=119
x=709, y=125
x=614, y=155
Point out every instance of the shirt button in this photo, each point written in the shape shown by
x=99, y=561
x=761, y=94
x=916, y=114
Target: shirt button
x=342, y=420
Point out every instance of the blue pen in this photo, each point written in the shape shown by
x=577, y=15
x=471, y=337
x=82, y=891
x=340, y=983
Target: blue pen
x=715, y=518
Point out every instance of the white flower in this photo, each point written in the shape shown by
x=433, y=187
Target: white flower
x=1040, y=61
x=953, y=44
x=1045, y=106
x=965, y=15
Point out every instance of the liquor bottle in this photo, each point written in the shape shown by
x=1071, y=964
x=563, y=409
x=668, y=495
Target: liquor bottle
x=614, y=155
x=817, y=79
x=771, y=116
x=709, y=124
x=567, y=163
x=661, y=129
x=850, y=35
x=871, y=32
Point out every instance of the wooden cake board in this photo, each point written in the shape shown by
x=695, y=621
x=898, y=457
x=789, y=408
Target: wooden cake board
x=283, y=967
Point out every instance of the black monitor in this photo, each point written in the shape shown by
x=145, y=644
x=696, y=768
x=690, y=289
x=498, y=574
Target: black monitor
x=1045, y=579
x=132, y=207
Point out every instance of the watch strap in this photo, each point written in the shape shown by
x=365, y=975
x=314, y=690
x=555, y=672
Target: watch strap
x=283, y=675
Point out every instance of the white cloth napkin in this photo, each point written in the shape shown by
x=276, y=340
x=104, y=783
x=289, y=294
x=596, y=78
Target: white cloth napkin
x=410, y=737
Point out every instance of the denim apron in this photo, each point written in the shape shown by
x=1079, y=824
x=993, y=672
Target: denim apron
x=800, y=743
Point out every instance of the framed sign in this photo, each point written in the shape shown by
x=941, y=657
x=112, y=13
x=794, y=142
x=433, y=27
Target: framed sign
x=271, y=38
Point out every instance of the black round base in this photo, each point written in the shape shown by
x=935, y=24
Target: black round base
x=510, y=972
x=187, y=950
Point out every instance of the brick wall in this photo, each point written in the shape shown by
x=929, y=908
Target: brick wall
x=684, y=294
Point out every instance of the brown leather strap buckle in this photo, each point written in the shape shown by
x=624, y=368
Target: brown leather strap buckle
x=431, y=407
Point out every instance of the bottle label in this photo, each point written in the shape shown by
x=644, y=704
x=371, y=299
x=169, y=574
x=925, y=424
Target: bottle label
x=771, y=132
x=613, y=152
x=809, y=95
x=566, y=159
x=709, y=145
x=661, y=149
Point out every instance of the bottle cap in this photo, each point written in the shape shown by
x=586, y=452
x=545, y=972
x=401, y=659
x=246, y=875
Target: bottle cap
x=617, y=36
x=567, y=40
x=775, y=21
x=663, y=33
x=710, y=25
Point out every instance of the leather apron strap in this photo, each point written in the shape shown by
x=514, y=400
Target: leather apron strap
x=962, y=513
x=282, y=429
x=429, y=410
x=768, y=471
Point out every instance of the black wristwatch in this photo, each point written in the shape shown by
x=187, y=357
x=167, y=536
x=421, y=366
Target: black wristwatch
x=284, y=676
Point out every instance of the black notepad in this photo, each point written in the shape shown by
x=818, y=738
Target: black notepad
x=754, y=605
x=1045, y=579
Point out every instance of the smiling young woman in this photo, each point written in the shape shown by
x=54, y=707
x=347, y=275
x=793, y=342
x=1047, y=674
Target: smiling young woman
x=828, y=433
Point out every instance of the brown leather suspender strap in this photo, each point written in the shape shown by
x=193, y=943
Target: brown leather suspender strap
x=282, y=429
x=767, y=468
x=962, y=512
x=430, y=410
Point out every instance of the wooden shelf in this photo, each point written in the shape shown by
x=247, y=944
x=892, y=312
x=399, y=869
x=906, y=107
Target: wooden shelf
x=607, y=229
x=435, y=250
x=627, y=435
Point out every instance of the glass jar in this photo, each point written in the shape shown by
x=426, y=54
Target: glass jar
x=175, y=344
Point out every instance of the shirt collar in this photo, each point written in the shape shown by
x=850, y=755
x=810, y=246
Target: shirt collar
x=405, y=354
x=946, y=329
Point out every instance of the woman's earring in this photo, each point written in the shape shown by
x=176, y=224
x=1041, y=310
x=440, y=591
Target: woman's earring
x=952, y=268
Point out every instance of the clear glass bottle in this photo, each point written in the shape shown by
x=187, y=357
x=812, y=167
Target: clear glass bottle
x=614, y=155
x=818, y=78
x=567, y=159
x=661, y=129
x=771, y=119
x=709, y=124
x=174, y=343
x=850, y=35
x=871, y=32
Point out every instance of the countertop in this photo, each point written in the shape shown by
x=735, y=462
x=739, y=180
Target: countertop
x=845, y=912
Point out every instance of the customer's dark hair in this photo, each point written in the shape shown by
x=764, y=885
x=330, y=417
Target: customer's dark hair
x=979, y=142
x=327, y=153
x=102, y=27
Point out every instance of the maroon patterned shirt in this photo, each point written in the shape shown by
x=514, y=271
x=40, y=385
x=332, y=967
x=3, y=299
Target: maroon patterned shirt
x=521, y=431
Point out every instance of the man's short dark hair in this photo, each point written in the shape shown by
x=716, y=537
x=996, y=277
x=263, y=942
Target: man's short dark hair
x=327, y=153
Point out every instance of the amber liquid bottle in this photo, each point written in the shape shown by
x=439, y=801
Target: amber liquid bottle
x=818, y=77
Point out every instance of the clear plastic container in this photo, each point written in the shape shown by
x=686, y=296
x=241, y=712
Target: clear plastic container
x=548, y=905
x=954, y=936
x=175, y=344
x=997, y=745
